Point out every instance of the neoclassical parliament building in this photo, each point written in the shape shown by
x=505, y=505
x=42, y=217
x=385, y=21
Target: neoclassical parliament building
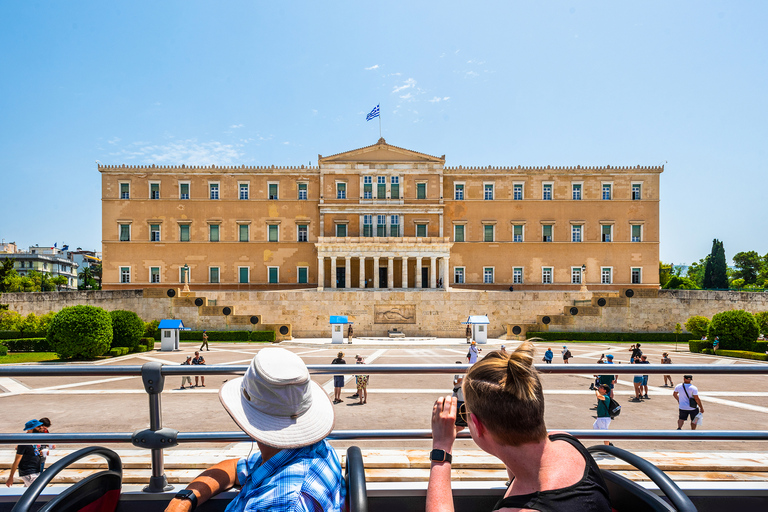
x=380, y=217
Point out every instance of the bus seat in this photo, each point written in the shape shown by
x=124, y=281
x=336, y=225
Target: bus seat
x=354, y=477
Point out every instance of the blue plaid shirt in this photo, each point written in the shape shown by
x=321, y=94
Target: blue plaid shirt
x=295, y=480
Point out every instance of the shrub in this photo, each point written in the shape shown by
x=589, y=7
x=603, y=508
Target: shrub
x=680, y=283
x=760, y=346
x=127, y=328
x=762, y=321
x=80, y=331
x=606, y=336
x=151, y=330
x=3, y=350
x=707, y=351
x=15, y=335
x=698, y=326
x=698, y=346
x=141, y=348
x=148, y=342
x=743, y=354
x=736, y=329
x=263, y=336
x=115, y=352
x=215, y=336
x=28, y=345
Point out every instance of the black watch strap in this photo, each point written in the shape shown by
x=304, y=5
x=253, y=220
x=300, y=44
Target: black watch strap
x=440, y=456
x=187, y=494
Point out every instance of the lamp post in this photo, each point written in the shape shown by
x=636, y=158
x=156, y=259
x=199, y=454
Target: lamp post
x=584, y=279
x=185, y=269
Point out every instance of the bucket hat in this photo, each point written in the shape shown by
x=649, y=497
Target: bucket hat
x=277, y=403
x=32, y=424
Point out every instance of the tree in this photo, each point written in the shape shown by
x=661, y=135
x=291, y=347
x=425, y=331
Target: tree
x=736, y=329
x=749, y=265
x=665, y=272
x=86, y=275
x=59, y=281
x=679, y=283
x=716, y=270
x=127, y=329
x=96, y=271
x=5, y=269
x=696, y=271
x=80, y=331
x=698, y=326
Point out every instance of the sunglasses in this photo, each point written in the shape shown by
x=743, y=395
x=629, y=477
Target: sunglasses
x=463, y=413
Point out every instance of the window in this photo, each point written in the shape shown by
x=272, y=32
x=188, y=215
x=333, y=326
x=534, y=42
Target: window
x=303, y=233
x=575, y=275
x=214, y=190
x=272, y=190
x=213, y=275
x=488, y=191
x=302, y=191
x=154, y=274
x=488, y=275
x=183, y=232
x=368, y=225
x=546, y=233
x=213, y=233
x=605, y=230
x=367, y=187
x=605, y=275
x=394, y=188
x=243, y=274
x=458, y=275
x=517, y=275
x=394, y=225
x=546, y=192
x=546, y=275
x=242, y=232
x=125, y=274
x=421, y=191
x=341, y=190
x=125, y=191
x=183, y=190
x=274, y=274
x=577, y=192
x=517, y=233
x=458, y=233
x=381, y=225
x=637, y=275
x=576, y=233
x=637, y=230
x=421, y=230
x=637, y=191
x=488, y=233
x=154, y=232
x=302, y=275
x=243, y=191
x=125, y=232
x=517, y=192
x=341, y=230
x=381, y=187
x=273, y=230
x=154, y=191
x=458, y=191
x=607, y=191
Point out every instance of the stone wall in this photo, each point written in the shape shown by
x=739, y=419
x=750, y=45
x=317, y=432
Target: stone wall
x=416, y=313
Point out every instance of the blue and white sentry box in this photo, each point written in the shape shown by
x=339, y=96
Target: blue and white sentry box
x=338, y=324
x=479, y=324
x=169, y=334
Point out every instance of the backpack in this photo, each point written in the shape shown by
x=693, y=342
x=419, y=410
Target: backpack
x=614, y=409
x=567, y=354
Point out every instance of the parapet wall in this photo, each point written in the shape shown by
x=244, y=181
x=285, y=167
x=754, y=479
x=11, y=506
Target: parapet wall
x=416, y=313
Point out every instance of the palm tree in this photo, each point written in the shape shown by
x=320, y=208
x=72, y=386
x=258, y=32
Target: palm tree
x=86, y=275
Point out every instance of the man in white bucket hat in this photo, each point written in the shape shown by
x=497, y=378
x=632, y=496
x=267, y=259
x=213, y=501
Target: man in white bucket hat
x=289, y=416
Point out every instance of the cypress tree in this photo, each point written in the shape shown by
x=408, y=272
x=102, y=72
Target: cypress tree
x=707, y=285
x=719, y=268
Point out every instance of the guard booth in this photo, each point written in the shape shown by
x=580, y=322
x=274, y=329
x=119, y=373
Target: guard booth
x=479, y=325
x=338, y=326
x=170, y=334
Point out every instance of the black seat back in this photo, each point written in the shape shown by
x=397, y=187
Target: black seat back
x=354, y=477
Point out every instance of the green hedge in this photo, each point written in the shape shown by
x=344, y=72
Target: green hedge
x=263, y=336
x=28, y=345
x=609, y=336
x=699, y=345
x=148, y=342
x=118, y=351
x=760, y=346
x=3, y=350
x=141, y=348
x=744, y=354
x=15, y=335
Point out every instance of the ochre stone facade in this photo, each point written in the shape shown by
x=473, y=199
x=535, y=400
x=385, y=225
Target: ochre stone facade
x=380, y=217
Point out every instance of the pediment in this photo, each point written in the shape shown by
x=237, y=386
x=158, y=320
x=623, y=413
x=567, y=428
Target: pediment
x=381, y=152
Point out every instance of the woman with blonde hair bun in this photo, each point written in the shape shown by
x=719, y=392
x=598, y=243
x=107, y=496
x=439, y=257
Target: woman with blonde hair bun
x=504, y=408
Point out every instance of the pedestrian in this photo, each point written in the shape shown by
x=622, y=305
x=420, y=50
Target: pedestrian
x=350, y=333
x=665, y=359
x=566, y=354
x=603, y=420
x=473, y=352
x=28, y=459
x=458, y=392
x=362, y=382
x=205, y=341
x=45, y=450
x=688, y=402
x=338, y=380
x=716, y=344
x=186, y=378
x=468, y=333
x=548, y=356
x=198, y=359
x=637, y=380
x=644, y=360
x=608, y=380
x=503, y=349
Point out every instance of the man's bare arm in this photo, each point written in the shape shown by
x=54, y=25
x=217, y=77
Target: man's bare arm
x=15, y=465
x=211, y=482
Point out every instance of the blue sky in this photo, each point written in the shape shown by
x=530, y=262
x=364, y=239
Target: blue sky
x=486, y=83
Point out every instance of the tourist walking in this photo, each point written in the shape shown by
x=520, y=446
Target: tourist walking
x=338, y=380
x=566, y=354
x=362, y=382
x=548, y=356
x=636, y=353
x=503, y=349
x=608, y=380
x=198, y=359
x=205, y=341
x=45, y=450
x=688, y=402
x=716, y=344
x=28, y=459
x=637, y=380
x=644, y=384
x=473, y=352
x=665, y=359
x=186, y=378
x=603, y=420
x=458, y=392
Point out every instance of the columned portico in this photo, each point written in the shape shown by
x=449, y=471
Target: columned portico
x=433, y=272
x=418, y=271
x=405, y=272
x=333, y=272
x=347, y=272
x=376, y=272
x=320, y=273
x=361, y=272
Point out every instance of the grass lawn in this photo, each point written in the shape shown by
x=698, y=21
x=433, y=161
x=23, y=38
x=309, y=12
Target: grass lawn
x=28, y=357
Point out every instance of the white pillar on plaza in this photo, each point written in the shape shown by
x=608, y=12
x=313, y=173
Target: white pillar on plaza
x=390, y=272
x=418, y=271
x=333, y=272
x=433, y=272
x=320, y=273
x=361, y=273
x=347, y=272
x=446, y=273
x=375, y=272
x=405, y=272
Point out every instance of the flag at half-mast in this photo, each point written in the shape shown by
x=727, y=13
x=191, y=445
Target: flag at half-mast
x=373, y=113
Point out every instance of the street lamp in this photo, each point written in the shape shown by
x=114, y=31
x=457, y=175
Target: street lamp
x=185, y=269
x=584, y=278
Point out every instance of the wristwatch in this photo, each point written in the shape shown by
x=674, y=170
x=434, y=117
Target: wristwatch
x=187, y=494
x=440, y=456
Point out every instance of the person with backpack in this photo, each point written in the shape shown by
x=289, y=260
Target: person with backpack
x=603, y=420
x=688, y=402
x=566, y=354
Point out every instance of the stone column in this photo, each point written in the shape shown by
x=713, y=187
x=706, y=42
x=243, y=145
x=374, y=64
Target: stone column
x=390, y=272
x=361, y=272
x=432, y=272
x=347, y=272
x=375, y=272
x=418, y=271
x=320, y=273
x=446, y=273
x=405, y=272
x=333, y=271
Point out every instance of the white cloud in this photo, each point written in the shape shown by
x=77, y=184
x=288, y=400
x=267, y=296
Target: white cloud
x=375, y=66
x=406, y=96
x=237, y=126
x=471, y=74
x=406, y=85
x=114, y=140
x=438, y=99
x=190, y=152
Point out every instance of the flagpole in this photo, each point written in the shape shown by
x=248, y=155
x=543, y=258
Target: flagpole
x=380, y=121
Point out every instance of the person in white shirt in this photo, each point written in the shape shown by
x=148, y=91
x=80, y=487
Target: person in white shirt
x=689, y=403
x=473, y=352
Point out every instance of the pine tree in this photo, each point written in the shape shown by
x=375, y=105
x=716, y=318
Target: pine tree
x=719, y=268
x=707, y=284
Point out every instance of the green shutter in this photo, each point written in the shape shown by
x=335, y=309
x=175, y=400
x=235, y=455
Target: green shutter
x=302, y=275
x=243, y=275
x=458, y=233
x=421, y=191
x=488, y=233
x=394, y=191
x=273, y=274
x=214, y=232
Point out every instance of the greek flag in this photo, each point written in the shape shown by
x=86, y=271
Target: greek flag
x=373, y=113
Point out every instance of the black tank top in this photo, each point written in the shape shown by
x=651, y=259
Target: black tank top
x=587, y=495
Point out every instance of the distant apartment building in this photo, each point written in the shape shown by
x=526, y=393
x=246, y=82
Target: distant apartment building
x=380, y=217
x=83, y=258
x=45, y=260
